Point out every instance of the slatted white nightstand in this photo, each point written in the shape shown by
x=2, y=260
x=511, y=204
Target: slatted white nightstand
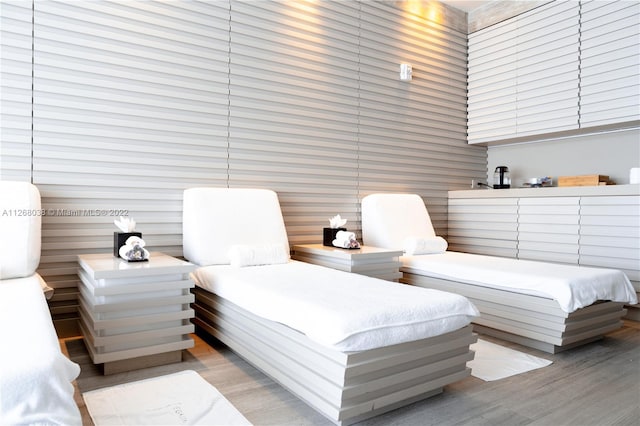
x=135, y=314
x=367, y=260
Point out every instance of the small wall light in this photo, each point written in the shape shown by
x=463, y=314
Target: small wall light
x=405, y=72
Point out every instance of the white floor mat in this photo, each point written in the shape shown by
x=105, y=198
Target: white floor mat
x=495, y=362
x=183, y=398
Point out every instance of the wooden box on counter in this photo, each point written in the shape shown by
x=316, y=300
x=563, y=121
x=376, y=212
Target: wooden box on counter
x=583, y=180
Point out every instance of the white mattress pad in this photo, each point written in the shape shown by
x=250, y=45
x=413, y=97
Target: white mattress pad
x=572, y=286
x=348, y=312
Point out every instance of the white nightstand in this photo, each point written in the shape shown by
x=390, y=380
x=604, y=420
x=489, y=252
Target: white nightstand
x=135, y=314
x=367, y=260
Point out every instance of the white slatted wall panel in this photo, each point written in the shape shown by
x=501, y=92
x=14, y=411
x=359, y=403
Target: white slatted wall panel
x=15, y=90
x=136, y=100
x=130, y=108
x=610, y=67
x=412, y=135
x=294, y=108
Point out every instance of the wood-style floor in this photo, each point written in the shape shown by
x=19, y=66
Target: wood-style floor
x=596, y=384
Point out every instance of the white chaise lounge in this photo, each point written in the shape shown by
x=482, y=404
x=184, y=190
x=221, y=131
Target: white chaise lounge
x=36, y=379
x=348, y=345
x=547, y=306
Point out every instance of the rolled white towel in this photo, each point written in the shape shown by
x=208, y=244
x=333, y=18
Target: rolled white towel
x=346, y=239
x=345, y=236
x=418, y=245
x=258, y=254
x=341, y=243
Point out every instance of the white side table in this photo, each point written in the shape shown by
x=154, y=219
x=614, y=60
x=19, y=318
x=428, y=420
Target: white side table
x=135, y=314
x=367, y=260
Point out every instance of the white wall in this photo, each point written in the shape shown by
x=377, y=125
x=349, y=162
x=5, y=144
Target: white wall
x=612, y=154
x=119, y=106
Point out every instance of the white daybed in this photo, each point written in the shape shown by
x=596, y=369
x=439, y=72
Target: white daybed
x=323, y=334
x=547, y=306
x=36, y=379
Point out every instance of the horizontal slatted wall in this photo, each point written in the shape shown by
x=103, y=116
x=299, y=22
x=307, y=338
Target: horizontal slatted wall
x=294, y=108
x=412, y=135
x=15, y=90
x=130, y=108
x=610, y=62
x=134, y=101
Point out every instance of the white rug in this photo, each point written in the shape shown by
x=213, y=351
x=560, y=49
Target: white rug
x=183, y=398
x=495, y=362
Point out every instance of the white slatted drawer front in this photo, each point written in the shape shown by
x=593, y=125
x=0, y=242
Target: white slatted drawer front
x=548, y=229
x=610, y=234
x=484, y=226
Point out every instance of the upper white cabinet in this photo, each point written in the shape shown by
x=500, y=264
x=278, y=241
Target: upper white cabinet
x=563, y=66
x=610, y=62
x=492, y=82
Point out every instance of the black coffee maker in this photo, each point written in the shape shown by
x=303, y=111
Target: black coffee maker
x=501, y=179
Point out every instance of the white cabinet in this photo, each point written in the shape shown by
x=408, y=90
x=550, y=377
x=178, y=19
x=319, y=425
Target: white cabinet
x=548, y=67
x=484, y=226
x=561, y=68
x=492, y=82
x=135, y=314
x=371, y=261
x=523, y=74
x=610, y=234
x=609, y=62
x=548, y=229
x=590, y=226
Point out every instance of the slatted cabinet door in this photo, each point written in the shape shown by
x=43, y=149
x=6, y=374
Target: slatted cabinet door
x=484, y=226
x=610, y=235
x=548, y=229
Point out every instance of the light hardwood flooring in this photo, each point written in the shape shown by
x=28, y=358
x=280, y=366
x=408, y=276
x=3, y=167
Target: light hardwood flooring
x=596, y=384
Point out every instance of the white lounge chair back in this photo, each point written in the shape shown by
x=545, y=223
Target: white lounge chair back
x=388, y=219
x=20, y=229
x=214, y=219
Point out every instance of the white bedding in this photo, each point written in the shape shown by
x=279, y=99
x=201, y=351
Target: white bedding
x=347, y=312
x=573, y=287
x=35, y=376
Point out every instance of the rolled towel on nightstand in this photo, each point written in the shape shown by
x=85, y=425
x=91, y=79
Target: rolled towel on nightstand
x=345, y=239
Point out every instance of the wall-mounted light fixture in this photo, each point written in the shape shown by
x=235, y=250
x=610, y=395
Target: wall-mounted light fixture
x=405, y=72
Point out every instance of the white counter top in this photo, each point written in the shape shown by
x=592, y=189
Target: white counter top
x=564, y=191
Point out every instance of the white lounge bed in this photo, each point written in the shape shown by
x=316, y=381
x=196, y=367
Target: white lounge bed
x=36, y=379
x=547, y=306
x=323, y=334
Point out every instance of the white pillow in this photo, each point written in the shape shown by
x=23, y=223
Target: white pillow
x=257, y=254
x=418, y=245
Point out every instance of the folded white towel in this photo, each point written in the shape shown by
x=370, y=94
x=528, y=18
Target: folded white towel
x=259, y=254
x=418, y=245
